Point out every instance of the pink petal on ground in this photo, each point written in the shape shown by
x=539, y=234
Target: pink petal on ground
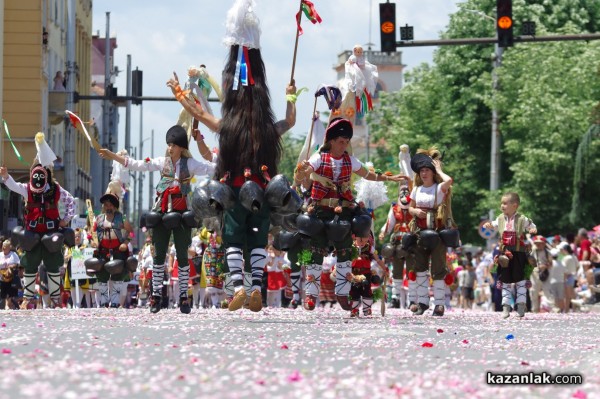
x=427, y=345
x=294, y=377
x=6, y=351
x=3, y=324
x=524, y=363
x=284, y=346
x=579, y=394
x=439, y=330
x=464, y=341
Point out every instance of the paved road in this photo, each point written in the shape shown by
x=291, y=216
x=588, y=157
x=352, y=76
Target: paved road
x=110, y=353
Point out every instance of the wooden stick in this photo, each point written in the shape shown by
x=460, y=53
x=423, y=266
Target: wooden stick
x=296, y=45
x=311, y=128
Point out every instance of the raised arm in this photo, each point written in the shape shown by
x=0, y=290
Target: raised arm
x=192, y=106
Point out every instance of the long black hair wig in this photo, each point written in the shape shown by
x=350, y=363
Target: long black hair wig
x=247, y=136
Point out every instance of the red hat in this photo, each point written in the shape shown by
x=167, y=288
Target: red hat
x=539, y=238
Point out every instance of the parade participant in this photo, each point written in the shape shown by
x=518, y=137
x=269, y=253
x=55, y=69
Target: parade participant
x=539, y=278
x=42, y=220
x=113, y=229
x=362, y=277
x=327, y=293
x=275, y=278
x=249, y=146
x=512, y=257
x=70, y=284
x=396, y=227
x=197, y=274
x=429, y=206
x=9, y=261
x=331, y=170
x=177, y=168
x=213, y=264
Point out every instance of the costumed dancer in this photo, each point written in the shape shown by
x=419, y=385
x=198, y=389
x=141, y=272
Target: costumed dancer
x=249, y=147
x=430, y=208
x=363, y=277
x=197, y=274
x=332, y=204
x=327, y=293
x=213, y=263
x=170, y=213
x=70, y=284
x=112, y=229
x=358, y=86
x=397, y=226
x=275, y=279
x=45, y=228
x=512, y=260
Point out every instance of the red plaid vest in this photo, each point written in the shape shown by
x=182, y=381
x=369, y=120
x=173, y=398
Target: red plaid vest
x=319, y=191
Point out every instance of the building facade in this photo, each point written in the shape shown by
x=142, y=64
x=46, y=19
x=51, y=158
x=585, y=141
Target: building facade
x=33, y=53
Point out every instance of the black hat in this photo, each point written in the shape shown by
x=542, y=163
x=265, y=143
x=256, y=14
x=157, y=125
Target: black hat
x=178, y=136
x=338, y=127
x=112, y=198
x=420, y=161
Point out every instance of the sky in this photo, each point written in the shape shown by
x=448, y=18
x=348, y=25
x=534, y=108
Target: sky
x=163, y=37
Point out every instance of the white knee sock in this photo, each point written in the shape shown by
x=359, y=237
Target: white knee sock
x=184, y=278
x=29, y=286
x=295, y=277
x=258, y=260
x=422, y=288
x=54, y=286
x=396, y=288
x=412, y=291
x=235, y=261
x=366, y=305
x=521, y=292
x=507, y=295
x=342, y=285
x=312, y=286
x=439, y=292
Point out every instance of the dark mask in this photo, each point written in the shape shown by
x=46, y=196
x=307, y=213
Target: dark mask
x=39, y=178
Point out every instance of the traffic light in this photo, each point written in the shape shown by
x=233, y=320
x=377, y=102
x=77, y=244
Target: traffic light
x=504, y=23
x=136, y=85
x=387, y=26
x=407, y=33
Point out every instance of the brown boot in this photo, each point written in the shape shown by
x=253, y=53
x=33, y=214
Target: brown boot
x=255, y=303
x=238, y=300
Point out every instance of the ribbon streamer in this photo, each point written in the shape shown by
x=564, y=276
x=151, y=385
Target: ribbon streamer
x=308, y=8
x=17, y=153
x=78, y=124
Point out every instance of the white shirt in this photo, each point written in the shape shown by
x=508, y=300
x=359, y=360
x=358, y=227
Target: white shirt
x=557, y=272
x=196, y=167
x=336, y=164
x=8, y=260
x=424, y=196
x=571, y=264
x=510, y=223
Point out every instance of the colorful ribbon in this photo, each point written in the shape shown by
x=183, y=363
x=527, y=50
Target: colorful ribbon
x=308, y=8
x=17, y=153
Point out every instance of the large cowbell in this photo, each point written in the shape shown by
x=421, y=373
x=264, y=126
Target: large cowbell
x=252, y=196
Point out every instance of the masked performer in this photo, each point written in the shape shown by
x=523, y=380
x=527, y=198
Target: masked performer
x=41, y=239
x=249, y=146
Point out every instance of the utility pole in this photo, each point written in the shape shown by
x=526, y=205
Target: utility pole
x=69, y=161
x=128, y=119
x=106, y=103
x=151, y=179
x=140, y=176
x=495, y=147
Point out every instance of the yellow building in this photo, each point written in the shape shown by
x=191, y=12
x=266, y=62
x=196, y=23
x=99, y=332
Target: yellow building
x=33, y=49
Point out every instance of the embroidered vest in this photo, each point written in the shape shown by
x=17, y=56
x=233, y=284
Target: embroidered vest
x=403, y=217
x=41, y=211
x=167, y=176
x=320, y=191
x=118, y=225
x=164, y=191
x=512, y=238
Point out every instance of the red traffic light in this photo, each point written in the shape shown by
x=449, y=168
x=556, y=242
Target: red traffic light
x=505, y=22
